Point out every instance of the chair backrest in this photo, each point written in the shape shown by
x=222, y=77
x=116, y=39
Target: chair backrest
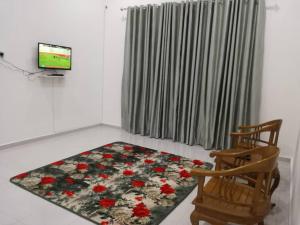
x=264, y=134
x=272, y=127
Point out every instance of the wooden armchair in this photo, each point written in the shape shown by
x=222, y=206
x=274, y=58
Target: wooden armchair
x=226, y=198
x=252, y=136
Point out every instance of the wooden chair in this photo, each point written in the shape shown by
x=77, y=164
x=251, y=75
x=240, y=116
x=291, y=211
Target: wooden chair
x=252, y=136
x=227, y=198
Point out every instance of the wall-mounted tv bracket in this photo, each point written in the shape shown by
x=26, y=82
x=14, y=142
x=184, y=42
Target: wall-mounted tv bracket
x=52, y=75
x=56, y=75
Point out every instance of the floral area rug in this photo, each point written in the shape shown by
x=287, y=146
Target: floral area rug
x=116, y=184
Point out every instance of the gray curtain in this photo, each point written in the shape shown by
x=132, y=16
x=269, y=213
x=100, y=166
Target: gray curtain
x=192, y=70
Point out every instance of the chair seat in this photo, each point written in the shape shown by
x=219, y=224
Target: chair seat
x=228, y=198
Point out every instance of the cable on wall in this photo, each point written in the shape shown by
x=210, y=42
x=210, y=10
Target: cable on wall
x=11, y=66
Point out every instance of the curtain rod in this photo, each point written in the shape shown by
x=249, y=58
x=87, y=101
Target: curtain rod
x=142, y=6
x=274, y=7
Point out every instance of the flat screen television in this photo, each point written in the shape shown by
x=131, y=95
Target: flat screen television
x=54, y=57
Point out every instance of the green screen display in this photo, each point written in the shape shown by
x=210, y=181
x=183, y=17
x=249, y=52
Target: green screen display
x=54, y=57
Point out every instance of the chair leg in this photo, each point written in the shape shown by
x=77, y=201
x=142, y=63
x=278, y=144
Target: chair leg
x=194, y=218
x=276, y=176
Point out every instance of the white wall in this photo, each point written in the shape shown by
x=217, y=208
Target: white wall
x=296, y=185
x=43, y=106
x=281, y=81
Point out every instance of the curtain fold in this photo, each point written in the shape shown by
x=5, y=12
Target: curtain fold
x=192, y=70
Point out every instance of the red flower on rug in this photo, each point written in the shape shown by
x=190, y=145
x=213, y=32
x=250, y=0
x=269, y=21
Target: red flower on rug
x=148, y=154
x=137, y=183
x=86, y=153
x=82, y=166
x=159, y=169
x=58, y=163
x=108, y=145
x=185, y=174
x=70, y=180
x=140, y=210
x=47, y=180
x=167, y=189
x=198, y=162
x=123, y=156
x=175, y=159
x=128, y=172
x=149, y=161
x=21, y=176
x=139, y=198
x=127, y=147
x=100, y=166
x=164, y=153
x=107, y=202
x=128, y=163
x=99, y=188
x=104, y=176
x=104, y=223
x=69, y=193
x=107, y=156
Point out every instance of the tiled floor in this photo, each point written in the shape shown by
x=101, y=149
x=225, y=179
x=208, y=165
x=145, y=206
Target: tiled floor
x=19, y=207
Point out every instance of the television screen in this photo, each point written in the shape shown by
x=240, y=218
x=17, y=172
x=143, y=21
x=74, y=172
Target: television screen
x=54, y=57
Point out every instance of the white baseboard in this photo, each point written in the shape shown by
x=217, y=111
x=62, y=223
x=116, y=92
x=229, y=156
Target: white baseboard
x=112, y=125
x=285, y=159
x=12, y=144
x=291, y=191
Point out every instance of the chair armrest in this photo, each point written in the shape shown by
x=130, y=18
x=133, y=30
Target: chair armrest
x=249, y=133
x=231, y=153
x=244, y=134
x=248, y=168
x=217, y=173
